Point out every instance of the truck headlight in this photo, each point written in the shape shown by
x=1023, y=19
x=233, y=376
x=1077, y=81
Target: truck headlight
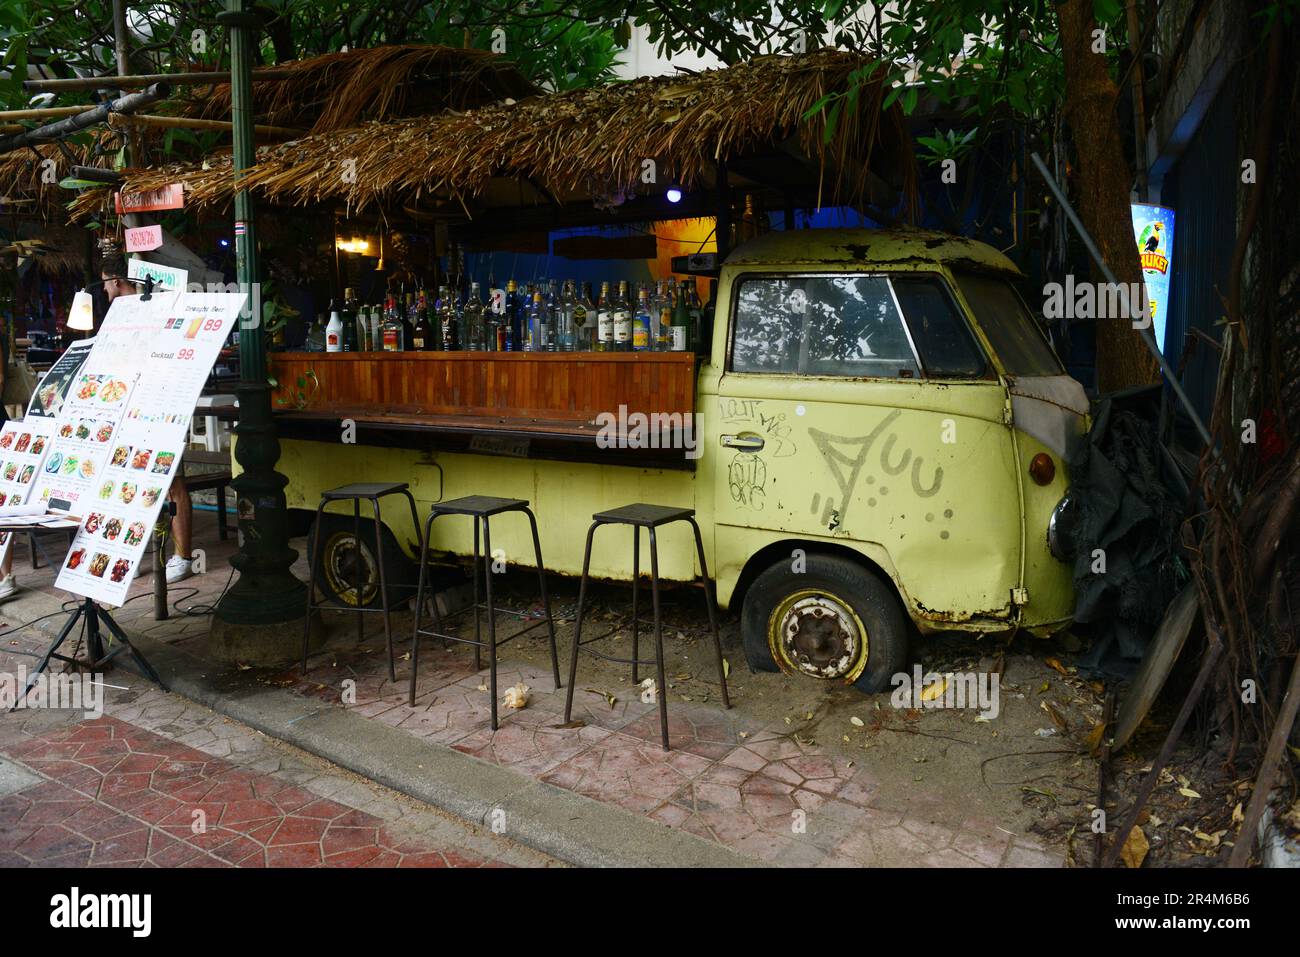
x=1059, y=527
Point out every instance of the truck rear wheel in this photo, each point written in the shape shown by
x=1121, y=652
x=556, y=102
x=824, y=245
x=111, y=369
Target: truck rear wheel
x=342, y=562
x=835, y=621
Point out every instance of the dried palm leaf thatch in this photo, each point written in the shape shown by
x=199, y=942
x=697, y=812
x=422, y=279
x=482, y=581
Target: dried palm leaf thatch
x=585, y=142
x=339, y=90
x=27, y=189
x=54, y=250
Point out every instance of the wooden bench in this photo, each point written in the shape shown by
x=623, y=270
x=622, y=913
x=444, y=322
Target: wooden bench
x=202, y=481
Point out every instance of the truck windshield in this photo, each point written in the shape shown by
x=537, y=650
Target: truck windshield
x=821, y=326
x=1010, y=328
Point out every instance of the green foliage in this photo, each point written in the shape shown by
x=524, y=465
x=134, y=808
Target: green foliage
x=549, y=42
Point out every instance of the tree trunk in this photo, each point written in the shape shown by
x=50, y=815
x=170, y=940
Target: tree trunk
x=1102, y=190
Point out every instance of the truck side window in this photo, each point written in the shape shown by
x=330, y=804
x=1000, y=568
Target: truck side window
x=1011, y=330
x=947, y=348
x=820, y=325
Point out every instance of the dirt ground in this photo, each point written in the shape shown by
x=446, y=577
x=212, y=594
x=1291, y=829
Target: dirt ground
x=1028, y=769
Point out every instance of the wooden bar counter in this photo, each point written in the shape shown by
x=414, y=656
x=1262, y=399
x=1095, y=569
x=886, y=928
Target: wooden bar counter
x=510, y=403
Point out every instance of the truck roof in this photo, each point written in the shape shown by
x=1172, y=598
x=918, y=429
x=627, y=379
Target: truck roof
x=863, y=247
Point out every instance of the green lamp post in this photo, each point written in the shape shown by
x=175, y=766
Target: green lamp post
x=258, y=618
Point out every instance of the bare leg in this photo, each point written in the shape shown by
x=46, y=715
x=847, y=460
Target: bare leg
x=184, y=516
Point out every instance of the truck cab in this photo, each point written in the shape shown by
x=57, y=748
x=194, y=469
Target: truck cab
x=886, y=434
x=882, y=434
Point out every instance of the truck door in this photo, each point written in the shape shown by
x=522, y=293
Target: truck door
x=829, y=425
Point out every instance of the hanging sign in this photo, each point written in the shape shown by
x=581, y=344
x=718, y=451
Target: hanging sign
x=1153, y=228
x=164, y=277
x=142, y=239
x=171, y=196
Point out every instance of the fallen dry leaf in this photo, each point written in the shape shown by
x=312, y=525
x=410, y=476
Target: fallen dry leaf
x=934, y=689
x=1135, y=849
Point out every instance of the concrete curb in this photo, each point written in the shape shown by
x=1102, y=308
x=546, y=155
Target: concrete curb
x=565, y=825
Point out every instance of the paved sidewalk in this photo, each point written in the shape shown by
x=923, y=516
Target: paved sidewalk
x=159, y=781
x=799, y=784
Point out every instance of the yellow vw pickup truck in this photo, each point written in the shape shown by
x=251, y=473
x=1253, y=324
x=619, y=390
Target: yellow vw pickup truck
x=875, y=441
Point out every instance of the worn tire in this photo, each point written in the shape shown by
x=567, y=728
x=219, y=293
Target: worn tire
x=835, y=601
x=338, y=566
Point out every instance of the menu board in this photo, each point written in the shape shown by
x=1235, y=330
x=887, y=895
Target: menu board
x=23, y=448
x=48, y=397
x=170, y=345
x=94, y=403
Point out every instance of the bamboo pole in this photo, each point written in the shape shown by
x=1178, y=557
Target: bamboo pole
x=73, y=124
x=45, y=112
x=191, y=123
x=145, y=79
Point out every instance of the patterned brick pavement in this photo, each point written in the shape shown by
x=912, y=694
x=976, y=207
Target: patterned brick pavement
x=117, y=795
x=751, y=783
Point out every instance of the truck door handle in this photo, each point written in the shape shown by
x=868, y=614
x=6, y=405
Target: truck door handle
x=748, y=441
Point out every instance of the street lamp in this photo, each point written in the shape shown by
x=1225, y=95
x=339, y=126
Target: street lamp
x=256, y=619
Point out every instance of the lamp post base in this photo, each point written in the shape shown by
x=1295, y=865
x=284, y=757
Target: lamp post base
x=262, y=645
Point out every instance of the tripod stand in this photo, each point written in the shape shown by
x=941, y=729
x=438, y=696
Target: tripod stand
x=97, y=658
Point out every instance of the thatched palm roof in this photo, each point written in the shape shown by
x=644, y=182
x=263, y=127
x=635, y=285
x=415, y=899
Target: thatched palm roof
x=338, y=90
x=583, y=144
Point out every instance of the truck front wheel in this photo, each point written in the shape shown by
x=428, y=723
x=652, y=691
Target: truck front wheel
x=832, y=620
x=342, y=563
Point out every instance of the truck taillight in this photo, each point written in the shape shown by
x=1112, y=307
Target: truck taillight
x=1042, y=469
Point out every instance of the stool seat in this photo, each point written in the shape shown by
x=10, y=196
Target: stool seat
x=643, y=515
x=479, y=505
x=363, y=490
x=481, y=508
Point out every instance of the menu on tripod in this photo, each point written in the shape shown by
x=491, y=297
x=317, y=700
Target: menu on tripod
x=23, y=448
x=155, y=361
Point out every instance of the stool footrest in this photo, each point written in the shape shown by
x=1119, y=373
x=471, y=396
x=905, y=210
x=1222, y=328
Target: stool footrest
x=329, y=606
x=649, y=662
x=480, y=642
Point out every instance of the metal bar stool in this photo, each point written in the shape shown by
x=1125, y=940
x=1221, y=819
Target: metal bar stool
x=481, y=508
x=648, y=517
x=355, y=492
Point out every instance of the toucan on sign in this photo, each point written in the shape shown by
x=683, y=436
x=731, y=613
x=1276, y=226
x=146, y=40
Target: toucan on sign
x=1153, y=229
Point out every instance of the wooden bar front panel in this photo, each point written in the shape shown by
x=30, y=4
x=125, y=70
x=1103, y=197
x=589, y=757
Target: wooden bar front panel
x=512, y=384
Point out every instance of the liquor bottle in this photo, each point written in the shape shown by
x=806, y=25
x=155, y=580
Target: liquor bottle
x=622, y=317
x=393, y=331
x=348, y=316
x=537, y=323
x=334, y=331
x=584, y=314
x=474, y=326
x=681, y=338
x=550, y=331
x=514, y=324
x=315, y=337
x=664, y=334
x=604, y=321
x=656, y=314
x=564, y=327
x=406, y=315
x=449, y=323
x=641, y=322
x=421, y=332
x=376, y=329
